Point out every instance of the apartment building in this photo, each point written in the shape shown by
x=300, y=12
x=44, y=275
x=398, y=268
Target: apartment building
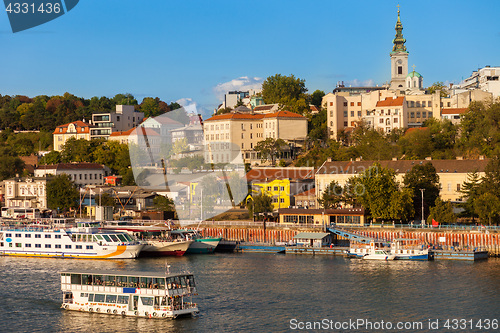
x=124, y=118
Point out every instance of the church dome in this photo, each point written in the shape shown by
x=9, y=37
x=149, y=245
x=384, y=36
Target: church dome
x=414, y=74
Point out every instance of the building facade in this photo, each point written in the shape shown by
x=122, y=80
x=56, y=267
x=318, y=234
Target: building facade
x=76, y=129
x=82, y=174
x=29, y=192
x=124, y=118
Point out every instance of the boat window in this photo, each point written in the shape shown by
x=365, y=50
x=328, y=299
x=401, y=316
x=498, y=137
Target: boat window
x=109, y=280
x=110, y=298
x=86, y=279
x=99, y=298
x=147, y=301
x=76, y=279
x=146, y=282
x=99, y=237
x=183, y=281
x=133, y=281
x=190, y=281
x=122, y=238
x=94, y=239
x=121, y=281
x=98, y=280
x=122, y=299
x=164, y=301
x=91, y=297
x=114, y=238
x=129, y=238
x=106, y=237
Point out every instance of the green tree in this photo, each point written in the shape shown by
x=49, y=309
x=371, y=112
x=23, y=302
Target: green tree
x=377, y=191
x=422, y=176
x=150, y=106
x=164, y=203
x=332, y=196
x=288, y=91
x=487, y=207
x=124, y=99
x=370, y=144
x=416, y=144
x=470, y=190
x=438, y=86
x=442, y=212
x=61, y=193
x=10, y=166
x=270, y=148
x=317, y=97
x=261, y=203
x=76, y=150
x=54, y=157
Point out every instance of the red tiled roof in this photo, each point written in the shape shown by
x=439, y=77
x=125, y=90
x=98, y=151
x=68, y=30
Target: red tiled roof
x=147, y=130
x=454, y=110
x=308, y=193
x=270, y=174
x=80, y=126
x=264, y=107
x=389, y=101
x=283, y=114
x=413, y=129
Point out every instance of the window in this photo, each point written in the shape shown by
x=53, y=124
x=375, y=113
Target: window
x=275, y=188
x=38, y=236
x=424, y=114
x=345, y=103
x=331, y=103
x=359, y=113
x=331, y=113
x=429, y=104
x=412, y=114
x=67, y=246
x=352, y=103
x=282, y=188
x=242, y=135
x=27, y=235
x=38, y=245
x=449, y=187
x=418, y=114
x=359, y=103
x=57, y=236
x=48, y=246
x=90, y=247
x=395, y=120
x=418, y=104
x=412, y=104
x=58, y=246
x=458, y=187
x=345, y=114
x=352, y=113
x=269, y=188
x=345, y=123
x=27, y=245
x=381, y=120
x=429, y=114
x=282, y=200
x=47, y=236
x=449, y=104
x=400, y=70
x=18, y=235
x=19, y=245
x=78, y=247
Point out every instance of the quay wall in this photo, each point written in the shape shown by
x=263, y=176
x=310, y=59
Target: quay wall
x=447, y=239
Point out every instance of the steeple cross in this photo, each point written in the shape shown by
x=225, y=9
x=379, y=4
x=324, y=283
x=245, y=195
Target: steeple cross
x=398, y=7
x=413, y=67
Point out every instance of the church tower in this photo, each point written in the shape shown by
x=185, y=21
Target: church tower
x=399, y=58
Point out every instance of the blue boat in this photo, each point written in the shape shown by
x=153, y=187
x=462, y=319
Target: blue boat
x=408, y=249
x=201, y=245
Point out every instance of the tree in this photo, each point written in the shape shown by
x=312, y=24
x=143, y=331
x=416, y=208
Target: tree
x=54, y=157
x=164, y=203
x=76, y=150
x=124, y=99
x=261, y=203
x=332, y=196
x=422, y=176
x=487, y=207
x=416, y=144
x=442, y=212
x=288, y=91
x=61, y=193
x=317, y=97
x=105, y=199
x=371, y=144
x=470, y=190
x=270, y=148
x=377, y=191
x=10, y=166
x=438, y=86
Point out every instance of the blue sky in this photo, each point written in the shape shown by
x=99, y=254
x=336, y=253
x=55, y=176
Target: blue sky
x=194, y=49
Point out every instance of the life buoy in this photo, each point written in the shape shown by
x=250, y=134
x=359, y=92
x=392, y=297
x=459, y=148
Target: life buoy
x=91, y=310
x=146, y=314
x=109, y=311
x=123, y=313
x=98, y=310
x=136, y=313
x=164, y=315
x=155, y=314
x=115, y=312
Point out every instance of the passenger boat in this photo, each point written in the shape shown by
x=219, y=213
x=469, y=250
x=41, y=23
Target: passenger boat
x=379, y=254
x=158, y=240
x=374, y=251
x=138, y=294
x=200, y=245
x=39, y=240
x=407, y=249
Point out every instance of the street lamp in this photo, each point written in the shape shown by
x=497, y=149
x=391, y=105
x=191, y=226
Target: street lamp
x=423, y=222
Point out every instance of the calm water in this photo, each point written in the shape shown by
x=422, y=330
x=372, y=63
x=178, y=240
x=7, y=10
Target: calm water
x=263, y=293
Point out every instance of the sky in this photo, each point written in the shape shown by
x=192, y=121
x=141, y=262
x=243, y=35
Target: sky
x=193, y=51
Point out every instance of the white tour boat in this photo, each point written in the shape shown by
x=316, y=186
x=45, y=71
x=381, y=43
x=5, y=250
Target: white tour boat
x=158, y=240
x=80, y=242
x=139, y=294
x=409, y=249
x=374, y=251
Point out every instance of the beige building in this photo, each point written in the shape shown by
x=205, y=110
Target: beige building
x=82, y=174
x=29, y=192
x=228, y=134
x=124, y=118
x=452, y=173
x=141, y=136
x=76, y=129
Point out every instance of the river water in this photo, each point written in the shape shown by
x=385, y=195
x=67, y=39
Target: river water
x=272, y=293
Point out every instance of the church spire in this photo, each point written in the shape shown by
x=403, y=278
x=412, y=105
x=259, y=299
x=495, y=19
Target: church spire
x=399, y=41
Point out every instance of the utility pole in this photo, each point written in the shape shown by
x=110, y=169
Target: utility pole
x=423, y=222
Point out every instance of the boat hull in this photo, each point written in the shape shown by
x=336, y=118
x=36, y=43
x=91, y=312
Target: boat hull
x=165, y=248
x=108, y=252
x=203, y=246
x=412, y=256
x=120, y=311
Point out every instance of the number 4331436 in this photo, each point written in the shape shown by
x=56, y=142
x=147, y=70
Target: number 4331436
x=26, y=8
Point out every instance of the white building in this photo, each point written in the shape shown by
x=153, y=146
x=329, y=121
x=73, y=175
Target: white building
x=123, y=119
x=29, y=192
x=82, y=174
x=486, y=79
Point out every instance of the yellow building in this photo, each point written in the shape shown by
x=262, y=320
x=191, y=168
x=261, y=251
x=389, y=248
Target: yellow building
x=278, y=189
x=77, y=129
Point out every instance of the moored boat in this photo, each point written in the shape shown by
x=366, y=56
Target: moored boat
x=138, y=294
x=408, y=249
x=80, y=242
x=200, y=245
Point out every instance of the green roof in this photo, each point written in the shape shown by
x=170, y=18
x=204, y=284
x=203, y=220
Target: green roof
x=311, y=235
x=414, y=74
